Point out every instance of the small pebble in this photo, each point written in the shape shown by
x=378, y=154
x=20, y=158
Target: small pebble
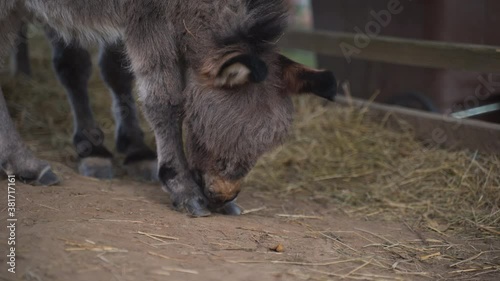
x=278, y=249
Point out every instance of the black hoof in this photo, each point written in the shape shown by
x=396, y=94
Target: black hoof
x=48, y=178
x=197, y=207
x=45, y=178
x=231, y=209
x=96, y=167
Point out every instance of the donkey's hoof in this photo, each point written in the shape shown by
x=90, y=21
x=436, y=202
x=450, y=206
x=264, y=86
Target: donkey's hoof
x=96, y=167
x=231, y=209
x=197, y=207
x=145, y=170
x=47, y=178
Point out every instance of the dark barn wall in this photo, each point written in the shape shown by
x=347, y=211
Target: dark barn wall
x=444, y=20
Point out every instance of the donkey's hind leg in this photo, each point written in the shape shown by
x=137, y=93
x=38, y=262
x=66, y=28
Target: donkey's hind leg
x=15, y=157
x=140, y=160
x=73, y=66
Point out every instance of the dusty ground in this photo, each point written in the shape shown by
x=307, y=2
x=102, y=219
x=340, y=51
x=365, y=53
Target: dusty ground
x=344, y=198
x=91, y=230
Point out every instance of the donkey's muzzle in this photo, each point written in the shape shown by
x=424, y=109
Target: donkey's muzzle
x=220, y=191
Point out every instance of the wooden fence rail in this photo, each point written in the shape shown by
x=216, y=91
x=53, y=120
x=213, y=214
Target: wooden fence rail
x=435, y=130
x=423, y=53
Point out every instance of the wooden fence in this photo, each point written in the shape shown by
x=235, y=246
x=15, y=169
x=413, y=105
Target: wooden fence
x=423, y=53
x=453, y=133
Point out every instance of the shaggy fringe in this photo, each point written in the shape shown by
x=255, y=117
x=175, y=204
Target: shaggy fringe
x=260, y=24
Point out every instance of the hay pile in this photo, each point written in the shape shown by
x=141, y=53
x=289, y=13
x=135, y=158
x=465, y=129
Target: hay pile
x=335, y=153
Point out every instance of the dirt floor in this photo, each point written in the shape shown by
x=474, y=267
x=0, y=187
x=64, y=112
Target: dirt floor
x=122, y=230
x=344, y=197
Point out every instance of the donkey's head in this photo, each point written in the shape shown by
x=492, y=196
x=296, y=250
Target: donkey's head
x=244, y=112
x=239, y=101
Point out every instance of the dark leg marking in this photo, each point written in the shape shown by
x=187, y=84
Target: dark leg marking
x=166, y=173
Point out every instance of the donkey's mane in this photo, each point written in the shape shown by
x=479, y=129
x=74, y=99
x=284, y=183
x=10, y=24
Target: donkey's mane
x=264, y=23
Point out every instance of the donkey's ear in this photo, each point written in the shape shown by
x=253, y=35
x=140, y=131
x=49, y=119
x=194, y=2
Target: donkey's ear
x=240, y=70
x=301, y=79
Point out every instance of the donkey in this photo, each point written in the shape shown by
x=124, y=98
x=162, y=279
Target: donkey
x=212, y=64
x=73, y=65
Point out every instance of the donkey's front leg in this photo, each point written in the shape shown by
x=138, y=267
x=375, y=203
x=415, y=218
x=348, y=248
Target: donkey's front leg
x=173, y=172
x=158, y=68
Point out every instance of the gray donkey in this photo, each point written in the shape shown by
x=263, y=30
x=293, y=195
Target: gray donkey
x=212, y=64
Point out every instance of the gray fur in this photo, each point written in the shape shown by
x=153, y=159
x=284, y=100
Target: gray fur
x=177, y=49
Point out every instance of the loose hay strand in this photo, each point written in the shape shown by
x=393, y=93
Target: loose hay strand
x=164, y=257
x=299, y=217
x=158, y=237
x=181, y=270
x=296, y=263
